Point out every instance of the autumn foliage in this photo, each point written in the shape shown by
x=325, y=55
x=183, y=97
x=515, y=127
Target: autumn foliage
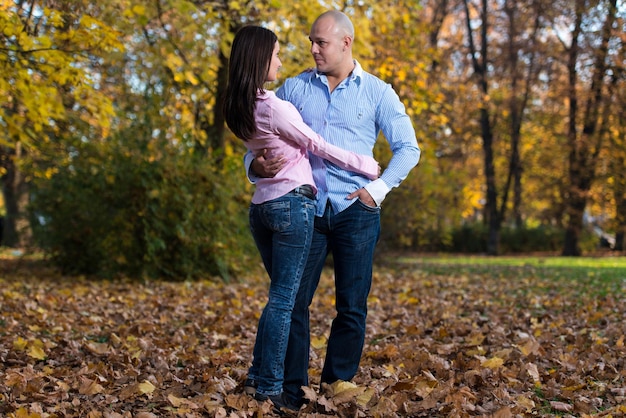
x=510, y=342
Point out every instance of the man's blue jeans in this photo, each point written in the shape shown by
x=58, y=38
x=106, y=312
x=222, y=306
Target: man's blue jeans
x=282, y=229
x=351, y=236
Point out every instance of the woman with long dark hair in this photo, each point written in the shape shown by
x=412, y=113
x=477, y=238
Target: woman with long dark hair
x=283, y=207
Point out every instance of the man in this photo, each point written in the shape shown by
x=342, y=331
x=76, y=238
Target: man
x=348, y=107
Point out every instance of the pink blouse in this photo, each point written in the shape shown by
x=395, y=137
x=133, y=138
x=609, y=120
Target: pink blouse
x=281, y=131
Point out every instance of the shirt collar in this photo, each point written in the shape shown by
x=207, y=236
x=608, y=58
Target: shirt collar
x=356, y=74
x=263, y=94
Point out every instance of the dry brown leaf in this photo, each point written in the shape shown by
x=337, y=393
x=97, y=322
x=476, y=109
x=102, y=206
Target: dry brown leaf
x=533, y=371
x=561, y=406
x=89, y=387
x=503, y=413
x=385, y=407
x=309, y=393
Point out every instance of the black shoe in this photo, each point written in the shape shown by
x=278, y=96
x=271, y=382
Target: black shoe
x=281, y=403
x=249, y=386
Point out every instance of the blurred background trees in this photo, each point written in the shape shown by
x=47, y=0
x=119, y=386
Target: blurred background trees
x=115, y=159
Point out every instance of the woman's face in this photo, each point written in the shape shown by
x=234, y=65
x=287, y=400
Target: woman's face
x=275, y=64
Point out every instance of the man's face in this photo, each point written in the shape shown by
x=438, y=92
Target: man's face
x=327, y=45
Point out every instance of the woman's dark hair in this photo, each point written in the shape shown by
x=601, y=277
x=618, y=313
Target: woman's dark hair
x=250, y=59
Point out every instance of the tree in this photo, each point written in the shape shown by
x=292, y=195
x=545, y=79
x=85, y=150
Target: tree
x=617, y=137
x=521, y=44
x=49, y=58
x=584, y=139
x=480, y=62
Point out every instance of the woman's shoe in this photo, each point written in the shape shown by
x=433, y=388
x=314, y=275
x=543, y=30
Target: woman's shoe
x=249, y=386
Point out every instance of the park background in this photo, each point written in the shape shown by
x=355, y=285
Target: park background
x=115, y=159
x=500, y=278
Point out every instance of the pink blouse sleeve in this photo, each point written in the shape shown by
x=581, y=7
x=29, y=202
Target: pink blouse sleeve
x=287, y=121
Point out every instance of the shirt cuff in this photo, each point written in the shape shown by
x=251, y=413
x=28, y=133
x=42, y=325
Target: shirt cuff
x=247, y=160
x=378, y=189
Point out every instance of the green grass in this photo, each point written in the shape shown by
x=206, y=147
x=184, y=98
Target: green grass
x=595, y=276
x=539, y=261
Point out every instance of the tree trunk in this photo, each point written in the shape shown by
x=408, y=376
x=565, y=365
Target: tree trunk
x=517, y=104
x=584, y=148
x=16, y=227
x=216, y=129
x=619, y=191
x=480, y=70
x=618, y=162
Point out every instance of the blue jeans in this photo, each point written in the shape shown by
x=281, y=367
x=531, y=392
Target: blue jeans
x=351, y=236
x=282, y=229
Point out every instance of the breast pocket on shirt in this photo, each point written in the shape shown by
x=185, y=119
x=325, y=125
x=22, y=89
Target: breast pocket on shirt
x=357, y=118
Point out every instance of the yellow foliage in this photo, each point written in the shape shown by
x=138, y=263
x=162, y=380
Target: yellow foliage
x=146, y=387
x=493, y=363
x=24, y=413
x=318, y=342
x=19, y=344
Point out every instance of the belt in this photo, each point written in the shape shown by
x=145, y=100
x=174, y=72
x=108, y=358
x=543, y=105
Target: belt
x=305, y=190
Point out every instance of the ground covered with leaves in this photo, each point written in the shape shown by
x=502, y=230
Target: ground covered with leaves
x=504, y=342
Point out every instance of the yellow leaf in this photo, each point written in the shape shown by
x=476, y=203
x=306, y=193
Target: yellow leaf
x=146, y=387
x=20, y=344
x=35, y=350
x=64, y=387
x=364, y=398
x=23, y=413
x=139, y=9
x=341, y=386
x=175, y=401
x=575, y=387
x=475, y=339
x=191, y=78
x=493, y=363
x=525, y=402
x=318, y=342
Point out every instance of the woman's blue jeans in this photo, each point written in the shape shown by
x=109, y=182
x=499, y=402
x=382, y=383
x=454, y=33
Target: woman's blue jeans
x=351, y=236
x=282, y=229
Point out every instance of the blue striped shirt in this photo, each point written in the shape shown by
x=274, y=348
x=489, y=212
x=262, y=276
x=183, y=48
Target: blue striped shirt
x=351, y=117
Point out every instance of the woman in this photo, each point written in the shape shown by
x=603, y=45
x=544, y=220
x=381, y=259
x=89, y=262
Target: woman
x=282, y=209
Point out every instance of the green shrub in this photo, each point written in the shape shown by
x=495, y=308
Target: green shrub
x=118, y=212
x=470, y=238
x=537, y=239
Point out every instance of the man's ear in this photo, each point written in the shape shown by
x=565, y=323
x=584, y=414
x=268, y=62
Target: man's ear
x=347, y=41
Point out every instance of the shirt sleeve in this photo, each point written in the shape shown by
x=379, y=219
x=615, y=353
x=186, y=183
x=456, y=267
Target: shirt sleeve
x=400, y=134
x=289, y=125
x=247, y=162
